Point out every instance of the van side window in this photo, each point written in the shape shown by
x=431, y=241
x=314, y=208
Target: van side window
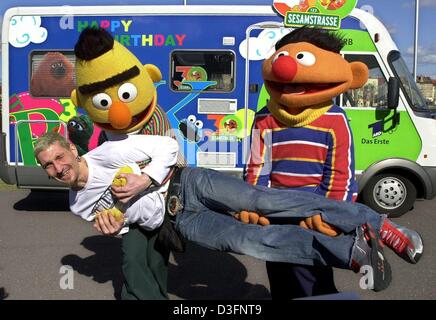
x=189, y=66
x=52, y=73
x=375, y=91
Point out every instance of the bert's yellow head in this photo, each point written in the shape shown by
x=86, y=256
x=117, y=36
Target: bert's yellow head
x=114, y=88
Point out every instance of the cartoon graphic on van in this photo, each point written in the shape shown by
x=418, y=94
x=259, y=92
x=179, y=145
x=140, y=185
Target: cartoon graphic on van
x=80, y=130
x=230, y=125
x=189, y=74
x=24, y=30
x=282, y=6
x=53, y=76
x=332, y=4
x=191, y=128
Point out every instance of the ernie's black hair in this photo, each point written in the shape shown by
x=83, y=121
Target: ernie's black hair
x=93, y=43
x=318, y=37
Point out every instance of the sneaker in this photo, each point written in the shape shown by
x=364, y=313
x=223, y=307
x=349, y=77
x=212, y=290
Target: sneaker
x=370, y=253
x=404, y=242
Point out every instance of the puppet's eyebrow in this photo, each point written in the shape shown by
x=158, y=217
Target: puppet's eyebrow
x=109, y=82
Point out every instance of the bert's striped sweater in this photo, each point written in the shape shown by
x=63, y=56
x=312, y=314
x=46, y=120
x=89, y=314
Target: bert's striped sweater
x=316, y=157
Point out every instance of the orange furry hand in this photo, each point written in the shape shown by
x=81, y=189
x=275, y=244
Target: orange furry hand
x=249, y=217
x=317, y=224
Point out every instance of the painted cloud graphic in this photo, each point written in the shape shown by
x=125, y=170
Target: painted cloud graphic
x=26, y=29
x=262, y=47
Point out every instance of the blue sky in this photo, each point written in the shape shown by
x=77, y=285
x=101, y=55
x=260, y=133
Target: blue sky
x=397, y=15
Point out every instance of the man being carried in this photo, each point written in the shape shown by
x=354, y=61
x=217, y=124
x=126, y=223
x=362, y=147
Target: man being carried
x=205, y=201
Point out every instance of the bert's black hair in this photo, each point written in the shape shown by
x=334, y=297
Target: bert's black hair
x=93, y=43
x=318, y=37
x=109, y=82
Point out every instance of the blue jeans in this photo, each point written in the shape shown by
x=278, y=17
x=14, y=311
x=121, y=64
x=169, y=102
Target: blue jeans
x=209, y=197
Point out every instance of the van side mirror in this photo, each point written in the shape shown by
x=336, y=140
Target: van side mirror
x=393, y=92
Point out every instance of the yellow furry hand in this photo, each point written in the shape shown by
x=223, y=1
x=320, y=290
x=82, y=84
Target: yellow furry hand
x=121, y=182
x=116, y=213
x=317, y=224
x=249, y=217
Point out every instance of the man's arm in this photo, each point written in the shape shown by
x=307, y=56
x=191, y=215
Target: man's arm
x=163, y=155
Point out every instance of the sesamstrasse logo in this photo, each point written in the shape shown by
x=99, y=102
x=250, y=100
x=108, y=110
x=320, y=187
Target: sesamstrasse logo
x=325, y=14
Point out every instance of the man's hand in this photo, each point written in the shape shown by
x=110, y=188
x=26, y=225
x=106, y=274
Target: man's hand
x=249, y=217
x=106, y=223
x=135, y=184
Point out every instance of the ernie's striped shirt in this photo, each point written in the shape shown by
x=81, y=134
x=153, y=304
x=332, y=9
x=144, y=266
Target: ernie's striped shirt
x=318, y=157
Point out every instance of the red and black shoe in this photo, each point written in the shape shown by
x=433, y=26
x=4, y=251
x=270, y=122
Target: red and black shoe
x=368, y=251
x=404, y=242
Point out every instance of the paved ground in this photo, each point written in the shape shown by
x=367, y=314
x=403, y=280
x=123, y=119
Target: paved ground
x=38, y=236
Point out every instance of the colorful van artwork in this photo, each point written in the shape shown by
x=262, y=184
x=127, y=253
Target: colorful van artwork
x=210, y=58
x=31, y=117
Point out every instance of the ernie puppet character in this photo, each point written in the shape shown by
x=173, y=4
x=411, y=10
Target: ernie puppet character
x=302, y=140
x=118, y=93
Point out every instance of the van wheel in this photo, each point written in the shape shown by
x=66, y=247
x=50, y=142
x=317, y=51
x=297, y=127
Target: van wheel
x=390, y=194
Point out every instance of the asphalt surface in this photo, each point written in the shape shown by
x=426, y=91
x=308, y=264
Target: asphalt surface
x=38, y=235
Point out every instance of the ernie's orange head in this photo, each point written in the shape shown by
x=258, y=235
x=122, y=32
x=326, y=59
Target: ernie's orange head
x=307, y=69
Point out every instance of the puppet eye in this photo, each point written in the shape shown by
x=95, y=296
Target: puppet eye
x=102, y=101
x=192, y=119
x=280, y=54
x=305, y=58
x=199, y=124
x=127, y=92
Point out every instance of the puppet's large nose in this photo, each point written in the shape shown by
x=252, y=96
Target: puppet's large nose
x=284, y=68
x=119, y=115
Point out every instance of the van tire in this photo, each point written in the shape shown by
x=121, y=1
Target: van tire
x=390, y=194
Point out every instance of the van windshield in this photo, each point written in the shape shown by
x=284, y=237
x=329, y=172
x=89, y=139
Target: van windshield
x=408, y=84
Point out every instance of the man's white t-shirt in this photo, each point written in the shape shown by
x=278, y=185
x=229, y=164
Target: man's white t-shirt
x=105, y=161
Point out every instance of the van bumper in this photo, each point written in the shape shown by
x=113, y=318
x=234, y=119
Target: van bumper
x=7, y=172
